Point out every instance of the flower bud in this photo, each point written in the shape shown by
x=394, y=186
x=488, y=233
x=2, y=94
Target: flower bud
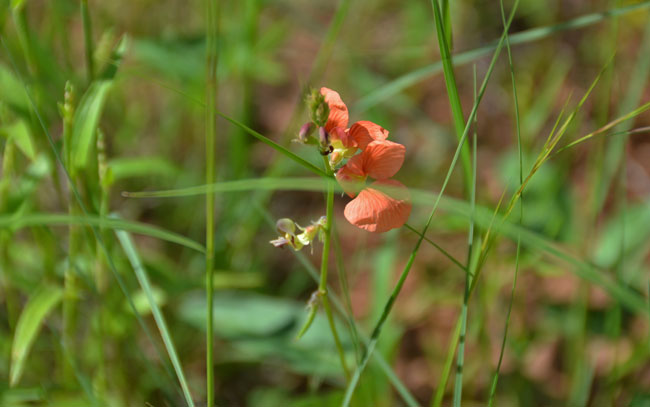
x=318, y=108
x=286, y=225
x=324, y=141
x=305, y=132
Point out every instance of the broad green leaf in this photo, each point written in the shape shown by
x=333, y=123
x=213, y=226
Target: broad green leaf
x=86, y=120
x=20, y=134
x=29, y=323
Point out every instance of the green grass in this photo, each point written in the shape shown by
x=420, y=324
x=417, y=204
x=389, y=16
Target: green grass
x=147, y=152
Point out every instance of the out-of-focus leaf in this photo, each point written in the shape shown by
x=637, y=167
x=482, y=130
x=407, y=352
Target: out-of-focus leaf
x=262, y=328
x=20, y=134
x=141, y=300
x=37, y=308
x=115, y=59
x=623, y=235
x=12, y=91
x=85, y=122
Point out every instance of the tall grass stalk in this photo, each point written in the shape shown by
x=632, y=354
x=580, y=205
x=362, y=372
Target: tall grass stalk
x=443, y=28
x=71, y=294
x=515, y=98
x=460, y=359
x=212, y=27
x=88, y=40
x=398, y=287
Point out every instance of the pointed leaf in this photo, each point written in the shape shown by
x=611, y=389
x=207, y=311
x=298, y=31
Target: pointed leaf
x=37, y=308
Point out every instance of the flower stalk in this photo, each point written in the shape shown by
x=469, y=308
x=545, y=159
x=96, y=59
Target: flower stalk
x=322, y=286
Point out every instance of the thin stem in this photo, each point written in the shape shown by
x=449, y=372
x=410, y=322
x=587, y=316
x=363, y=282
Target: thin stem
x=460, y=360
x=212, y=20
x=88, y=40
x=389, y=304
x=322, y=285
x=495, y=379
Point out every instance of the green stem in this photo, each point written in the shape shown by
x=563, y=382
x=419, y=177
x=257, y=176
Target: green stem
x=452, y=88
x=322, y=285
x=88, y=40
x=389, y=304
x=212, y=21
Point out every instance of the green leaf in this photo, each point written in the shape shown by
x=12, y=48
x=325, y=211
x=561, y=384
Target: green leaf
x=12, y=91
x=37, y=219
x=20, y=134
x=623, y=236
x=153, y=297
x=37, y=308
x=86, y=120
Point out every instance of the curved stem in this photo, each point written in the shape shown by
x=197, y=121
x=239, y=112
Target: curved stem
x=322, y=286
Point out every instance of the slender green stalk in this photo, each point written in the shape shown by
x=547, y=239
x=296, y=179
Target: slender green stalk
x=88, y=40
x=458, y=385
x=322, y=285
x=345, y=290
x=452, y=89
x=495, y=379
x=398, y=287
x=71, y=294
x=446, y=370
x=212, y=21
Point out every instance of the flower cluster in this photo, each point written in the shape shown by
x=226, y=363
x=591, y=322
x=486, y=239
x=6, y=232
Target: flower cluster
x=385, y=203
x=353, y=155
x=288, y=236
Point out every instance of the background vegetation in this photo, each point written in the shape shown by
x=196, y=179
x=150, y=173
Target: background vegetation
x=103, y=299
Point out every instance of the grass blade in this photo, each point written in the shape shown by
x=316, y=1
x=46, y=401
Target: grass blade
x=86, y=121
x=55, y=219
x=399, y=84
x=143, y=279
x=276, y=146
x=443, y=28
x=80, y=202
x=38, y=307
x=495, y=379
x=389, y=304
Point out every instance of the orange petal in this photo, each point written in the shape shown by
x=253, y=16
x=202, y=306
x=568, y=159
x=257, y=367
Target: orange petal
x=364, y=132
x=338, y=111
x=351, y=176
x=382, y=159
x=375, y=211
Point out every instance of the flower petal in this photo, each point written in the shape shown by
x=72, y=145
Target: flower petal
x=338, y=111
x=365, y=132
x=382, y=159
x=351, y=176
x=375, y=211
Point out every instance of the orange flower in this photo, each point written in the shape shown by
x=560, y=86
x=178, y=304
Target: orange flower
x=345, y=142
x=385, y=204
